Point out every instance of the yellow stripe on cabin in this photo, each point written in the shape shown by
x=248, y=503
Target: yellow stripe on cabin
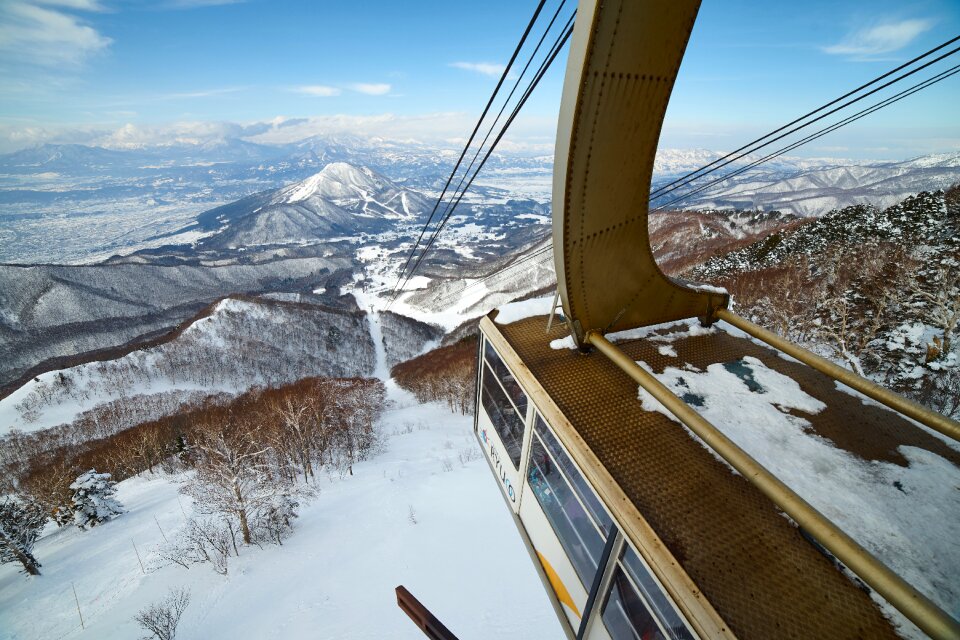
x=558, y=588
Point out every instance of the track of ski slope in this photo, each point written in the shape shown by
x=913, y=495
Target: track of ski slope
x=414, y=515
x=455, y=303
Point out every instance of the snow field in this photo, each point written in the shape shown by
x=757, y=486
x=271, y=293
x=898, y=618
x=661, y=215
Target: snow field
x=414, y=515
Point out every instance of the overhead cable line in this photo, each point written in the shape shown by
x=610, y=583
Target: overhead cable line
x=503, y=108
x=509, y=121
x=476, y=128
x=545, y=65
x=457, y=197
x=730, y=156
x=818, y=134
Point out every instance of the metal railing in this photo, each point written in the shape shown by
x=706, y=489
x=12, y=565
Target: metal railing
x=907, y=407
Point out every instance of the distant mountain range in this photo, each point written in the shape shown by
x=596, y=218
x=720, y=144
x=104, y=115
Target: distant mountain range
x=814, y=187
x=178, y=181
x=163, y=231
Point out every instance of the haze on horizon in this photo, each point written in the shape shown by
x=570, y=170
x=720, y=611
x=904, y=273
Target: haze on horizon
x=122, y=73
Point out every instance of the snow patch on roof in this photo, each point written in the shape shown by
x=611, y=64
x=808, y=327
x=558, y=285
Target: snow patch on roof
x=524, y=309
x=683, y=329
x=909, y=517
x=706, y=288
x=667, y=350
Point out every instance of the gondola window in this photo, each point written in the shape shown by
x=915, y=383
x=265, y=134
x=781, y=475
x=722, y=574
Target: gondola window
x=654, y=596
x=579, y=533
x=503, y=414
x=625, y=615
x=584, y=492
x=637, y=608
x=507, y=380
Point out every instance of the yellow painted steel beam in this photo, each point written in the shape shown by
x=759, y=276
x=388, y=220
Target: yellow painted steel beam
x=907, y=407
x=914, y=605
x=623, y=62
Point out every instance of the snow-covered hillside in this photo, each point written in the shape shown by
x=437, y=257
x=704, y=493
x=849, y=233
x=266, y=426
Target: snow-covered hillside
x=239, y=345
x=813, y=188
x=109, y=305
x=424, y=514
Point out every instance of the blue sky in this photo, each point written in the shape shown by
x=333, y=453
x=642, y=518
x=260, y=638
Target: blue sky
x=132, y=71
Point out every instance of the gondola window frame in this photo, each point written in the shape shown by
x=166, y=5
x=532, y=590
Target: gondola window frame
x=488, y=372
x=565, y=542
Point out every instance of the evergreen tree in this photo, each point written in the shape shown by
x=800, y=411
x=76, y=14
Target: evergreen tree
x=93, y=501
x=21, y=521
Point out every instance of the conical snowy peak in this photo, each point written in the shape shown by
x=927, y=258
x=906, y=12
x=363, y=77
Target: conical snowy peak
x=360, y=190
x=339, y=181
x=341, y=200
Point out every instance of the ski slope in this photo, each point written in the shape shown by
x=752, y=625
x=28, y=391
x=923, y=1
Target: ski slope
x=413, y=515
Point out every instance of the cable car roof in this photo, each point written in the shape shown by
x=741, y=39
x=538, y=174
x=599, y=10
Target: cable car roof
x=721, y=534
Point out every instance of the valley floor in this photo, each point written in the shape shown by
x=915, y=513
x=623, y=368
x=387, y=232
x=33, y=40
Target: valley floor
x=424, y=513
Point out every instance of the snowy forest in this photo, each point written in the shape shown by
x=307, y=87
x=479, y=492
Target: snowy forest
x=875, y=290
x=250, y=460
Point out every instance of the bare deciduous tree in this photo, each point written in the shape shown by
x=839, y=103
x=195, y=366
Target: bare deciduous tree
x=162, y=618
x=202, y=540
x=233, y=473
x=938, y=293
x=21, y=520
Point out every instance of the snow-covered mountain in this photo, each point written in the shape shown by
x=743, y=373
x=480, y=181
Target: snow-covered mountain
x=351, y=187
x=814, y=187
x=928, y=219
x=340, y=200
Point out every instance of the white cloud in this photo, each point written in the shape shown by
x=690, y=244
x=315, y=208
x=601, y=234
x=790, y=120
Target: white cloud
x=202, y=93
x=424, y=127
x=486, y=68
x=444, y=129
x=879, y=39
x=371, y=89
x=33, y=34
x=131, y=136
x=190, y=4
x=318, y=90
x=83, y=5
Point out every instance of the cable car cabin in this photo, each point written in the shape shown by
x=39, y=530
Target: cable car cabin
x=643, y=518
x=637, y=529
